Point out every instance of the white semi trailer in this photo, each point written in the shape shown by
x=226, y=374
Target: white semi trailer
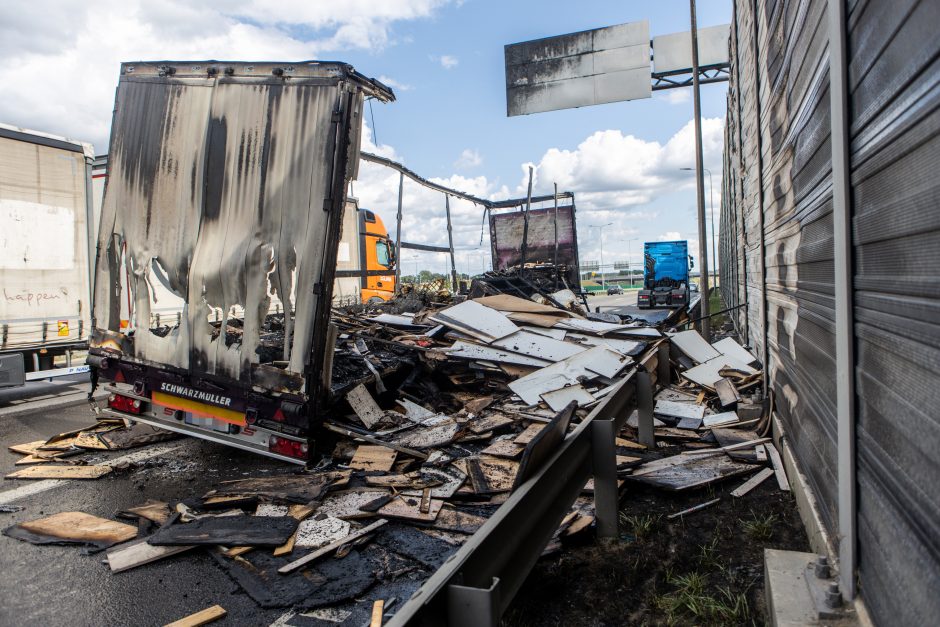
x=46, y=230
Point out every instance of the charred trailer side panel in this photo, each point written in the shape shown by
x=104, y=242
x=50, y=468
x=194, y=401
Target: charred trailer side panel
x=226, y=188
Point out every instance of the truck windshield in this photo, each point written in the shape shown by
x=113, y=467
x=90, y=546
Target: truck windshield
x=382, y=253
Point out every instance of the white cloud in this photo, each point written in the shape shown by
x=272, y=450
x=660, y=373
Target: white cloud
x=670, y=236
x=614, y=171
x=448, y=62
x=59, y=59
x=679, y=95
x=391, y=82
x=616, y=179
x=469, y=158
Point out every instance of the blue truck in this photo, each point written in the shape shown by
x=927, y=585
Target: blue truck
x=665, y=275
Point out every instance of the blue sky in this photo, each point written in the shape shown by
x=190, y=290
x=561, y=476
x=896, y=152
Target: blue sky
x=445, y=60
x=446, y=111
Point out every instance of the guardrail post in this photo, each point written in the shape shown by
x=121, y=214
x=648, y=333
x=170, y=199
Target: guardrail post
x=473, y=607
x=606, y=496
x=644, y=399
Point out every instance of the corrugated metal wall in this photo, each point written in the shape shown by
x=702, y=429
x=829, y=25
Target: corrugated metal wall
x=778, y=195
x=777, y=160
x=894, y=82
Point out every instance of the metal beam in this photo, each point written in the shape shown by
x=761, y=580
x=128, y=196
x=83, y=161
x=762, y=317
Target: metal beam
x=489, y=204
x=706, y=76
x=401, y=189
x=842, y=253
x=700, y=181
x=425, y=247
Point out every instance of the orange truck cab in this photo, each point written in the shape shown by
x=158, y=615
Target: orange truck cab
x=365, y=268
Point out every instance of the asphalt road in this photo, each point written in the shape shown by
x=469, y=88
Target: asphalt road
x=58, y=585
x=614, y=300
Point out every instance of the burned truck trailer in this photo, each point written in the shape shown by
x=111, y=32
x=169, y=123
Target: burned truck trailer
x=541, y=241
x=226, y=186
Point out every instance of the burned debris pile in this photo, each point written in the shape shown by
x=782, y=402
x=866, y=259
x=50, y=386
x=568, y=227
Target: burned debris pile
x=714, y=420
x=437, y=416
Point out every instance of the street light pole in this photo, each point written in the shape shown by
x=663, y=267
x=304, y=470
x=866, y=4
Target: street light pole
x=630, y=263
x=699, y=180
x=601, y=227
x=714, y=238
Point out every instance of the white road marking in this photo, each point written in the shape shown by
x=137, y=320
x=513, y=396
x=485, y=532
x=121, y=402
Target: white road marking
x=38, y=487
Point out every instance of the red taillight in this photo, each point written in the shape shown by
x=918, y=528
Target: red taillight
x=284, y=446
x=124, y=403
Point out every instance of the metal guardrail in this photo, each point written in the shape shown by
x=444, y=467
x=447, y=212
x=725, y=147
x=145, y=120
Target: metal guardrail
x=477, y=583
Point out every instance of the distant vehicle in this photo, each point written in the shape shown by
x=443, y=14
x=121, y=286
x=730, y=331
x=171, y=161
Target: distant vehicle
x=665, y=275
x=45, y=234
x=365, y=261
x=614, y=289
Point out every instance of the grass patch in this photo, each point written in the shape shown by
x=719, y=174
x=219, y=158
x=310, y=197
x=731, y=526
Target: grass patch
x=691, y=600
x=760, y=528
x=640, y=526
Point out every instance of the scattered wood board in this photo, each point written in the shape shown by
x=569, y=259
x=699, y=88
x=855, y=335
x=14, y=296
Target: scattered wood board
x=409, y=508
x=301, y=488
x=530, y=432
x=731, y=437
x=378, y=611
x=156, y=511
x=202, y=617
x=314, y=534
x=727, y=393
x=346, y=504
x=503, y=448
x=443, y=481
x=60, y=472
x=28, y=448
x=426, y=436
x=306, y=559
x=90, y=441
x=74, y=527
x=724, y=418
x=778, y=466
x=760, y=453
x=694, y=346
x=477, y=320
x=371, y=457
x=752, y=483
x=538, y=346
x=365, y=406
x=490, y=475
x=272, y=531
x=470, y=350
x=679, y=409
x=731, y=348
x=628, y=444
x=452, y=519
x=693, y=509
x=139, y=552
x=493, y=420
x=557, y=400
x=689, y=471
